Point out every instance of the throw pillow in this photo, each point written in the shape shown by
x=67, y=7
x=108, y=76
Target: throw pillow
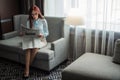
x=116, y=56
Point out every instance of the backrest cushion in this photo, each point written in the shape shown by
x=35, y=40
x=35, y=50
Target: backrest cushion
x=18, y=20
x=23, y=19
x=55, y=27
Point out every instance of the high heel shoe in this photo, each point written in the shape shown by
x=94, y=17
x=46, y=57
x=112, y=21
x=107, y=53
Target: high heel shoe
x=25, y=77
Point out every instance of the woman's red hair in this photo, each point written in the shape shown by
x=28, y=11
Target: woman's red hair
x=34, y=8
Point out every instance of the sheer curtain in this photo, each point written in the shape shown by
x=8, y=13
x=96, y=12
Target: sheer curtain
x=54, y=8
x=102, y=21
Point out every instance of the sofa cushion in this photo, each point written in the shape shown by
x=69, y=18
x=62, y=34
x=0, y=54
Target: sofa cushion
x=116, y=56
x=92, y=66
x=56, y=25
x=18, y=20
x=14, y=44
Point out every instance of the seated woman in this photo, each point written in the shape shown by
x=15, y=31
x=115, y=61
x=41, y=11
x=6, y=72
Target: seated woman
x=32, y=44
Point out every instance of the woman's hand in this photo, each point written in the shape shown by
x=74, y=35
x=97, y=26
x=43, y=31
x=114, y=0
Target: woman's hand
x=41, y=35
x=42, y=38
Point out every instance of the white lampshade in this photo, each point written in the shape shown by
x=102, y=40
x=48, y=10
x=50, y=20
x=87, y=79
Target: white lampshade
x=74, y=20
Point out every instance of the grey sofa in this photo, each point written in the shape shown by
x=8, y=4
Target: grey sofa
x=48, y=57
x=93, y=66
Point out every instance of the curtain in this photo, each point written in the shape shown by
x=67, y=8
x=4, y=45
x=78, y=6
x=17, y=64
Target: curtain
x=25, y=5
x=54, y=8
x=101, y=29
x=40, y=4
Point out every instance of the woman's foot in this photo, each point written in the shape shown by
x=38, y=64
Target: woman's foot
x=26, y=75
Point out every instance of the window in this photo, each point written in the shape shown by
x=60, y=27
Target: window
x=99, y=14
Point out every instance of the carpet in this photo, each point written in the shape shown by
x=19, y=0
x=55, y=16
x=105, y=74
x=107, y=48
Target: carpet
x=10, y=70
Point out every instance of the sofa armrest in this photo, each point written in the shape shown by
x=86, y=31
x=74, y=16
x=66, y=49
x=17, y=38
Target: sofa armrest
x=58, y=46
x=10, y=35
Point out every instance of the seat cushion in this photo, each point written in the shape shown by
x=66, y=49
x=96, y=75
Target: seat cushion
x=14, y=45
x=92, y=66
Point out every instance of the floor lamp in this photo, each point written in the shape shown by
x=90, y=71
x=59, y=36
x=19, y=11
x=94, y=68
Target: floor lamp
x=74, y=21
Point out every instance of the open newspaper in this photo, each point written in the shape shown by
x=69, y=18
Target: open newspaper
x=29, y=32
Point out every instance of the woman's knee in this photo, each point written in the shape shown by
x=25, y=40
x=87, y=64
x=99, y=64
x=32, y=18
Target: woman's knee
x=34, y=50
x=28, y=50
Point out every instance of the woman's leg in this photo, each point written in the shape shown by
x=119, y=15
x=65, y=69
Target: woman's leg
x=27, y=62
x=33, y=54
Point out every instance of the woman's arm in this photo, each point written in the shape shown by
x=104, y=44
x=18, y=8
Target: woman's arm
x=45, y=28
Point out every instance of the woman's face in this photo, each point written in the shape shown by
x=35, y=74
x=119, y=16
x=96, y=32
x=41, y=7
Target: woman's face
x=35, y=15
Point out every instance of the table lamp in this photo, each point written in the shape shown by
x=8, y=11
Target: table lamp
x=74, y=21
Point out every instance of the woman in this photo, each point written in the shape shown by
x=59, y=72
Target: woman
x=32, y=44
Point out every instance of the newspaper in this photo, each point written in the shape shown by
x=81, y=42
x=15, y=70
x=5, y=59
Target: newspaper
x=29, y=32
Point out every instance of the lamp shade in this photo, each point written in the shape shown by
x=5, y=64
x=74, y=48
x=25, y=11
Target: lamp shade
x=74, y=20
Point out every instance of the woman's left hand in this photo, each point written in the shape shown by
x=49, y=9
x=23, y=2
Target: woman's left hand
x=41, y=35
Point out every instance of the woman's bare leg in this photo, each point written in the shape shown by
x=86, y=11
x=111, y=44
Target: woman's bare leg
x=33, y=54
x=27, y=62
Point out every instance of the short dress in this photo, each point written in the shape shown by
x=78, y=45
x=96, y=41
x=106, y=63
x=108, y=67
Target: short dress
x=36, y=42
